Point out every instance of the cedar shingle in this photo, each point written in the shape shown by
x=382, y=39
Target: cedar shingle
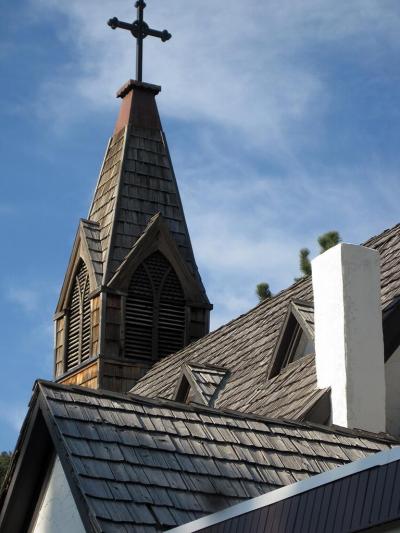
x=136, y=182
x=245, y=346
x=141, y=477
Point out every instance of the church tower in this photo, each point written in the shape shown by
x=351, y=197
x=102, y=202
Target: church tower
x=132, y=293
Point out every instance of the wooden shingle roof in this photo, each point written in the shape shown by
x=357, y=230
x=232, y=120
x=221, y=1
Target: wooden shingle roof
x=92, y=234
x=136, y=182
x=246, y=344
x=305, y=314
x=154, y=464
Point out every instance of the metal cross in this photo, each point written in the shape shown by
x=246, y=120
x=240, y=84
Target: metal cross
x=140, y=30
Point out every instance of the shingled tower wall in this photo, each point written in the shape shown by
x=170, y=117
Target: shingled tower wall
x=132, y=292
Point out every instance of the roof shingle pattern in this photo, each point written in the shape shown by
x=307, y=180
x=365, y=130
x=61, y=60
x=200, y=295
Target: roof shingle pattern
x=92, y=234
x=245, y=347
x=158, y=464
x=136, y=182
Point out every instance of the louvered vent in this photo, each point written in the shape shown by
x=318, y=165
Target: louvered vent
x=171, y=322
x=78, y=333
x=155, y=311
x=139, y=316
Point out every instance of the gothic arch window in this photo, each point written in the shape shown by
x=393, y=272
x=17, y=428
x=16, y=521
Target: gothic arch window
x=79, y=320
x=155, y=311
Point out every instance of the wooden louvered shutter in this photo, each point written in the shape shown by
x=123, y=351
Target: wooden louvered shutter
x=86, y=321
x=171, y=319
x=79, y=320
x=73, y=332
x=139, y=316
x=155, y=311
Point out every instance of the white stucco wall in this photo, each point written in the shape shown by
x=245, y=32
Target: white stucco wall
x=58, y=511
x=392, y=374
x=349, y=336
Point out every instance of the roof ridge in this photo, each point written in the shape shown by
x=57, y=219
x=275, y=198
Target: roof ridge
x=380, y=235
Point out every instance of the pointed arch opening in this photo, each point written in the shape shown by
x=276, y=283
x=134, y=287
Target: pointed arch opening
x=78, y=338
x=155, y=319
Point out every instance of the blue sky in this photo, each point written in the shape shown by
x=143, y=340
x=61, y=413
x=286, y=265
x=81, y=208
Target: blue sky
x=282, y=119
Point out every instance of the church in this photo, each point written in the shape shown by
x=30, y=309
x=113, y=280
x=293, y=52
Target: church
x=285, y=419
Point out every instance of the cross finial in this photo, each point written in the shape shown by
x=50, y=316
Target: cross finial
x=140, y=30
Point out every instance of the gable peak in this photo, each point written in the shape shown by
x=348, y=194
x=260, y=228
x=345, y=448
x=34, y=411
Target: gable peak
x=296, y=338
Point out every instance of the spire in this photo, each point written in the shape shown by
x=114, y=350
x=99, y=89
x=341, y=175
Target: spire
x=132, y=293
x=137, y=181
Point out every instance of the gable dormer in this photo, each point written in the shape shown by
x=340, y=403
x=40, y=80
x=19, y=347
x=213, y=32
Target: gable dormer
x=296, y=338
x=200, y=384
x=77, y=312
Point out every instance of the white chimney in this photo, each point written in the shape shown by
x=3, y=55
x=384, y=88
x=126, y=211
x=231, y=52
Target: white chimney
x=348, y=335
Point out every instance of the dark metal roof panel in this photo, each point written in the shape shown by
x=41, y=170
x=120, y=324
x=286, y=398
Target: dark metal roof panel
x=356, y=502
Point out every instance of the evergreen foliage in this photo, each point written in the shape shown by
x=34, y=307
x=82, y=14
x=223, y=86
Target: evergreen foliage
x=326, y=241
x=5, y=459
x=305, y=263
x=263, y=291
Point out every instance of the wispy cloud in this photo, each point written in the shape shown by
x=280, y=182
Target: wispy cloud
x=260, y=74
x=35, y=295
x=253, y=87
x=26, y=298
x=13, y=415
x=249, y=230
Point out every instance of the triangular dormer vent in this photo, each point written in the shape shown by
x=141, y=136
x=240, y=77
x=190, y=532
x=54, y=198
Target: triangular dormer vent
x=199, y=384
x=296, y=338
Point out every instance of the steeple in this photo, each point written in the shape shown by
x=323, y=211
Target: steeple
x=132, y=292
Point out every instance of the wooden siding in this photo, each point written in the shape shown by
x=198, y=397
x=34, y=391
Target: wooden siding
x=199, y=320
x=59, y=345
x=86, y=377
x=113, y=325
x=96, y=311
x=121, y=377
